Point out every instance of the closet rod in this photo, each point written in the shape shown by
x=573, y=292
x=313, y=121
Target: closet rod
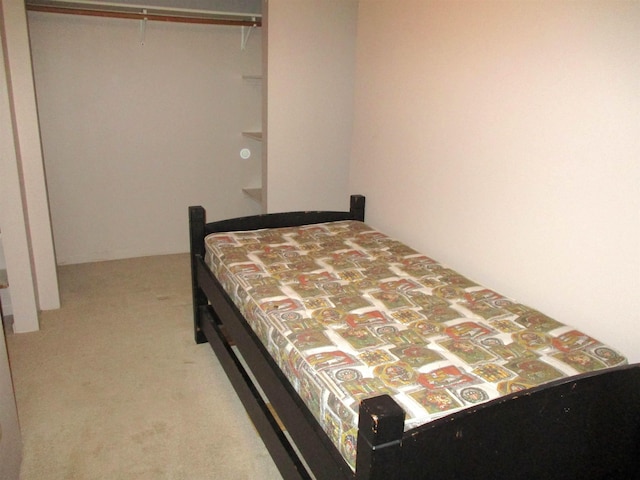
x=144, y=16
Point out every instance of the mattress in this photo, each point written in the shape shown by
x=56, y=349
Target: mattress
x=350, y=313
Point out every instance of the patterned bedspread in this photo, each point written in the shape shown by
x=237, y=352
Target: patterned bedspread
x=349, y=313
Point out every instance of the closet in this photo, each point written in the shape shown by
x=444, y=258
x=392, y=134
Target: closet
x=153, y=99
x=28, y=257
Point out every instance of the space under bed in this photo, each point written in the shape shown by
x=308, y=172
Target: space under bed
x=347, y=314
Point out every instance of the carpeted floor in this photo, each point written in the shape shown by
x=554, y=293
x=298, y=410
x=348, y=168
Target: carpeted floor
x=113, y=386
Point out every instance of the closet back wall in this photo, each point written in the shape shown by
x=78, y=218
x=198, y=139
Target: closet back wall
x=134, y=132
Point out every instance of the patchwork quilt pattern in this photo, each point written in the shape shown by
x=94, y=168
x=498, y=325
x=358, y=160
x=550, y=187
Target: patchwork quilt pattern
x=350, y=313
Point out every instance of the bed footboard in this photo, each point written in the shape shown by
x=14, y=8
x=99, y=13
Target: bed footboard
x=585, y=427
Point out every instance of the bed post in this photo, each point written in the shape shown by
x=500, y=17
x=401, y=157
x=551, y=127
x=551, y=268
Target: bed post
x=357, y=207
x=196, y=236
x=380, y=430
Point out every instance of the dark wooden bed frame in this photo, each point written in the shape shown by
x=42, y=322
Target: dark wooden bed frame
x=583, y=427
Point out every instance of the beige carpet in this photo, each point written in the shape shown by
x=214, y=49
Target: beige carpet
x=113, y=386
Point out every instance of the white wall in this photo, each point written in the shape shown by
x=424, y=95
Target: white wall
x=502, y=138
x=133, y=134
x=14, y=229
x=14, y=218
x=309, y=103
x=29, y=152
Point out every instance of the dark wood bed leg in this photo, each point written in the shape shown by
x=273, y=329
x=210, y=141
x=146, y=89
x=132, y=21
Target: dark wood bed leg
x=380, y=430
x=197, y=222
x=357, y=207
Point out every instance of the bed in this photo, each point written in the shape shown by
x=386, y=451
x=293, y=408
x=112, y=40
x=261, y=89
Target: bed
x=457, y=382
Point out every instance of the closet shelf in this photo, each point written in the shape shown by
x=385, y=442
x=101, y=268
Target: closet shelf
x=255, y=193
x=253, y=135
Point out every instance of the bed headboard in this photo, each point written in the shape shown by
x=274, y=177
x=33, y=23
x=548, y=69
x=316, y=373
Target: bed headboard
x=289, y=219
x=199, y=228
